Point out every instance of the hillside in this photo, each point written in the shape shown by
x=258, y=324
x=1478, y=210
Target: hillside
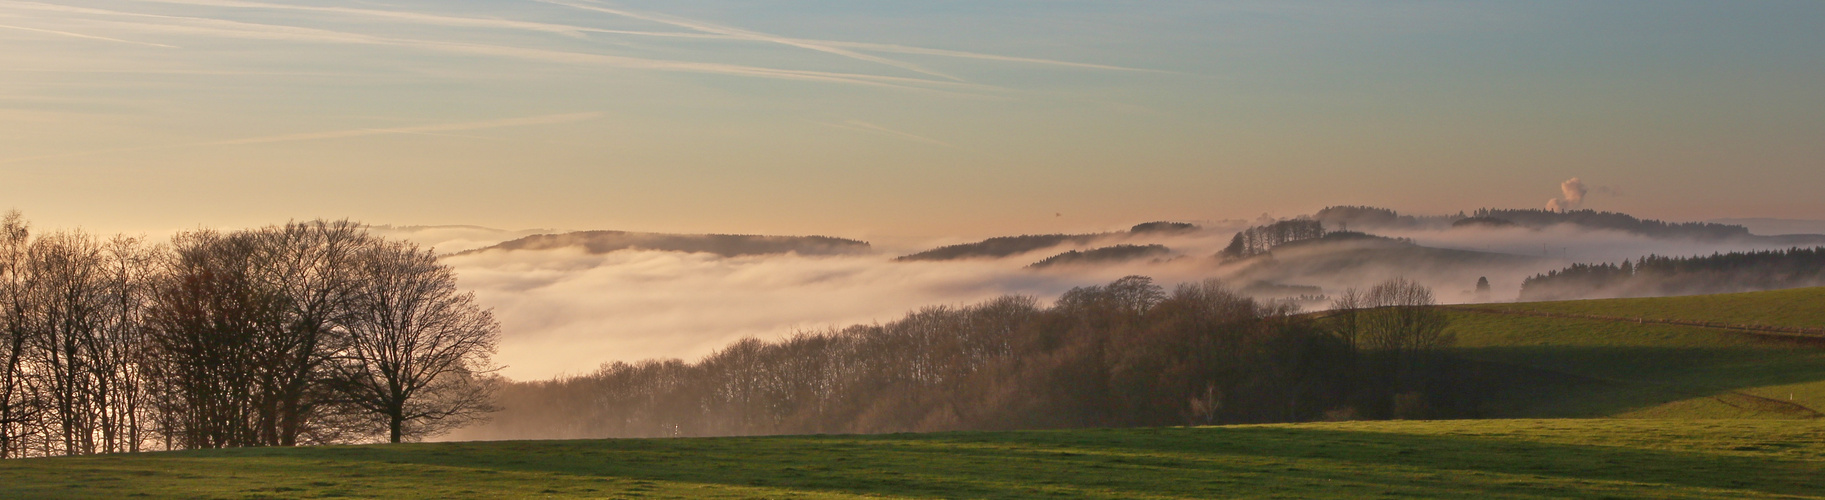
x=1108, y=254
x=1611, y=358
x=1005, y=246
x=1374, y=218
x=1797, y=307
x=1001, y=246
x=1660, y=276
x=1339, y=260
x=1442, y=459
x=727, y=245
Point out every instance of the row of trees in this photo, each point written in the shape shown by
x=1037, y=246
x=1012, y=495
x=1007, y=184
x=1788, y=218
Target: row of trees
x=1656, y=275
x=1616, y=222
x=1368, y=218
x=1122, y=354
x=1260, y=239
x=303, y=333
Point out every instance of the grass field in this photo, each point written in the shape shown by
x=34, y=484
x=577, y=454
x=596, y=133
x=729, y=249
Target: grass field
x=1798, y=307
x=1596, y=458
x=1601, y=368
x=1708, y=413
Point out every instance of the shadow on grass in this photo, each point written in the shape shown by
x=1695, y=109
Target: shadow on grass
x=1587, y=381
x=1136, y=462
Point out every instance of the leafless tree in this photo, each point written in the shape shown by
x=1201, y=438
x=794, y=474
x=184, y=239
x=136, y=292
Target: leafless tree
x=120, y=352
x=1403, y=317
x=67, y=335
x=313, y=267
x=1403, y=332
x=16, y=409
x=209, y=320
x=1346, y=316
x=416, y=345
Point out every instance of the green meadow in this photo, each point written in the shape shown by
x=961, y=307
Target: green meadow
x=1575, y=458
x=1589, y=408
x=1574, y=367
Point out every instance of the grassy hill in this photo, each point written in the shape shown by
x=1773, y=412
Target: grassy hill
x=1584, y=367
x=1599, y=458
x=1706, y=413
x=1798, y=307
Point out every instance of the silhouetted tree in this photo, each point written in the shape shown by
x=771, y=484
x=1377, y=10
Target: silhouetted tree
x=416, y=345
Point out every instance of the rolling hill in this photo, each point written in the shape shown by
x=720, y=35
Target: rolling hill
x=1620, y=398
x=727, y=245
x=1761, y=356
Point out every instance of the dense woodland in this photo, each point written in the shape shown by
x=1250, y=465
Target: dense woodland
x=1129, y=353
x=304, y=333
x=1655, y=276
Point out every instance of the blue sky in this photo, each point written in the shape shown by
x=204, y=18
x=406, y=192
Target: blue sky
x=858, y=118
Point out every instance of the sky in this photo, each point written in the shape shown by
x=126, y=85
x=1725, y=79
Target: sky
x=898, y=119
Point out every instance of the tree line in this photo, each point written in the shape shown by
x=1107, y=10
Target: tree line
x=302, y=333
x=1126, y=353
x=1593, y=219
x=1260, y=239
x=1657, y=275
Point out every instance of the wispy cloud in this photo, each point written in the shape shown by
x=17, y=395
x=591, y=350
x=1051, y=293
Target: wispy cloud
x=211, y=27
x=214, y=27
x=441, y=127
x=877, y=129
x=754, y=35
x=414, y=17
x=429, y=129
x=80, y=35
x=902, y=49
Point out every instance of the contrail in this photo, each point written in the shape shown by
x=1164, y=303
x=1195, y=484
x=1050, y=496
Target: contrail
x=90, y=37
x=441, y=20
x=991, y=57
x=338, y=134
x=442, y=127
x=898, y=49
x=756, y=36
x=237, y=29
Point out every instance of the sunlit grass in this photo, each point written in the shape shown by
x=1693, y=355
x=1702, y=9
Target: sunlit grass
x=1798, y=307
x=1601, y=458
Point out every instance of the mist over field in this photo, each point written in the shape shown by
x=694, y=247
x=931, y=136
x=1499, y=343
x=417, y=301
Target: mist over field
x=567, y=311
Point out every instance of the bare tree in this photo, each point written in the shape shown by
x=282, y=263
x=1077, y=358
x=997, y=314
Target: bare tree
x=1346, y=316
x=1404, y=318
x=68, y=332
x=1403, y=332
x=207, y=328
x=16, y=409
x=416, y=345
x=313, y=267
x=119, y=354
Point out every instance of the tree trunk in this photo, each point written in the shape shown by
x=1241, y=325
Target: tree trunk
x=395, y=421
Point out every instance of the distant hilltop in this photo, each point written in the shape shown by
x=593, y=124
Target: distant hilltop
x=726, y=245
x=1004, y=246
x=1374, y=218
